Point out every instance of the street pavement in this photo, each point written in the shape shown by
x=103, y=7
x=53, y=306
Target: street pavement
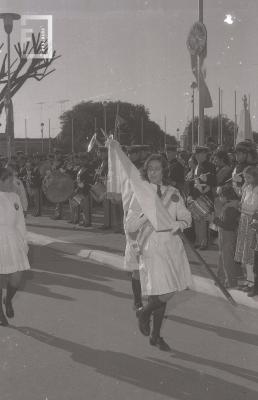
x=75, y=335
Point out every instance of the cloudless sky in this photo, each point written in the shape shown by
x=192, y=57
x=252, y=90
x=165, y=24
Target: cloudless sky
x=135, y=50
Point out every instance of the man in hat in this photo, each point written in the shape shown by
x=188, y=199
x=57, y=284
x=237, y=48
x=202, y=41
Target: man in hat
x=134, y=154
x=205, y=183
x=58, y=165
x=84, y=180
x=176, y=169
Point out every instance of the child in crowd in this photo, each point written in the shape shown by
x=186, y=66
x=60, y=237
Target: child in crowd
x=227, y=223
x=245, y=237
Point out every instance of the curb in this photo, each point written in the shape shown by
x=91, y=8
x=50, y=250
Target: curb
x=201, y=284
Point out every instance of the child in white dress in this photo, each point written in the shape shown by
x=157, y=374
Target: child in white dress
x=164, y=267
x=14, y=247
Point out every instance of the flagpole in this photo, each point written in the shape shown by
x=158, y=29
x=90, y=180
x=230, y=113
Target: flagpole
x=221, y=117
x=235, y=125
x=219, y=120
x=165, y=130
x=201, y=106
x=26, y=137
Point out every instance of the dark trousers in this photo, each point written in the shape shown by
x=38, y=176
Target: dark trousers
x=35, y=200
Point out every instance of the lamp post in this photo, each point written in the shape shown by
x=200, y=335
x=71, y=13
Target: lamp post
x=193, y=87
x=8, y=19
x=42, y=137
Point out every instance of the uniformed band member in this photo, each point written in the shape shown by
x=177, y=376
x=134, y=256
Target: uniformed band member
x=58, y=165
x=32, y=181
x=84, y=180
x=177, y=172
x=204, y=184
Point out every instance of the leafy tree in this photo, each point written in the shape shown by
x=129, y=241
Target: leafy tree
x=131, y=119
x=211, y=131
x=24, y=68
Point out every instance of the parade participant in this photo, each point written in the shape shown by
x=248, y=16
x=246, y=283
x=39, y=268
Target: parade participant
x=177, y=171
x=223, y=169
x=58, y=165
x=227, y=224
x=204, y=185
x=18, y=187
x=242, y=150
x=245, y=237
x=254, y=224
x=101, y=177
x=84, y=181
x=134, y=154
x=72, y=169
x=131, y=260
x=164, y=268
x=14, y=248
x=31, y=178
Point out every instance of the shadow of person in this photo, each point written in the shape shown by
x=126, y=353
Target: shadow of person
x=171, y=379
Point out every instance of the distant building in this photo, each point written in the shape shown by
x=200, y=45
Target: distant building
x=28, y=146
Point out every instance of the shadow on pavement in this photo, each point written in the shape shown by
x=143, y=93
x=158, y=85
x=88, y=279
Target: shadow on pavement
x=228, y=333
x=52, y=268
x=170, y=379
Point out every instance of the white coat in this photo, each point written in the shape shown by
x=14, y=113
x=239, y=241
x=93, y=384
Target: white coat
x=164, y=267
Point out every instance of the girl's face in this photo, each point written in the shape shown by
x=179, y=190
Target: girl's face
x=249, y=179
x=154, y=172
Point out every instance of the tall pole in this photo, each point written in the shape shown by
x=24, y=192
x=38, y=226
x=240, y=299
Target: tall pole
x=9, y=139
x=219, y=120
x=42, y=137
x=49, y=136
x=95, y=124
x=72, y=137
x=249, y=103
x=165, y=130
x=26, y=137
x=193, y=120
x=235, y=125
x=142, y=130
x=201, y=107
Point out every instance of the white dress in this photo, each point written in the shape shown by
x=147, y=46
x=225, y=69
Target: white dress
x=164, y=267
x=14, y=247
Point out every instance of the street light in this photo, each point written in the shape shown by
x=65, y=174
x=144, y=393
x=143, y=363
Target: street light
x=193, y=87
x=42, y=137
x=8, y=26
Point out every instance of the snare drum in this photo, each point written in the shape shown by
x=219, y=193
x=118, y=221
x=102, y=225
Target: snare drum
x=201, y=207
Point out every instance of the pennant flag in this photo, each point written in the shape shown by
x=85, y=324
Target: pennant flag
x=124, y=178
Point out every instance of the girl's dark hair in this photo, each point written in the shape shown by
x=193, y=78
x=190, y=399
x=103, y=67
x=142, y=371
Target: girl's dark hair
x=164, y=165
x=5, y=173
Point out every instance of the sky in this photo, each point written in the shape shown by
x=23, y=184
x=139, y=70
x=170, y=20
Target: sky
x=135, y=51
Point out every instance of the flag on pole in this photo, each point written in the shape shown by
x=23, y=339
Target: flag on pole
x=124, y=178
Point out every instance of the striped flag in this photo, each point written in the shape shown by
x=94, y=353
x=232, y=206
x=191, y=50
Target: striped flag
x=124, y=178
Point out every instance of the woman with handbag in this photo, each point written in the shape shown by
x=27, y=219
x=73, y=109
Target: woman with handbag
x=14, y=247
x=163, y=264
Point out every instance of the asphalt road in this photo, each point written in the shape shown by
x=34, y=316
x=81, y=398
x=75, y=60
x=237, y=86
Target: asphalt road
x=75, y=336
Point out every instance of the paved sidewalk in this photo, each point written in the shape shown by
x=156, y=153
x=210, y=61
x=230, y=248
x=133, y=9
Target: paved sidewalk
x=107, y=247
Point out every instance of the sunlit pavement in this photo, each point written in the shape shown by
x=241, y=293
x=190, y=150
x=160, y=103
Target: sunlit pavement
x=75, y=336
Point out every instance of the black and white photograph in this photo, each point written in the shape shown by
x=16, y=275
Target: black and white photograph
x=129, y=200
